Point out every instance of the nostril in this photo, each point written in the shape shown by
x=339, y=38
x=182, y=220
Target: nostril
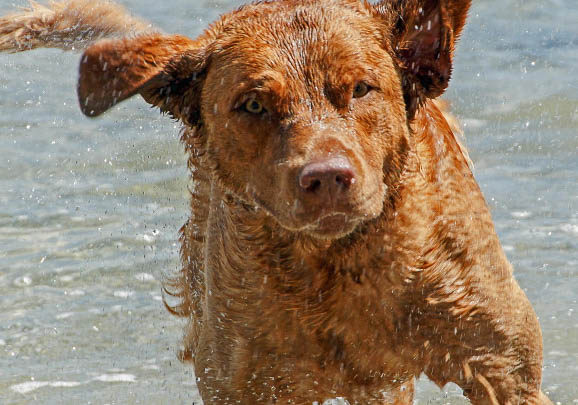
x=344, y=179
x=309, y=180
x=314, y=184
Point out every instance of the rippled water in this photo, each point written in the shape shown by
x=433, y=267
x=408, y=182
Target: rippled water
x=90, y=208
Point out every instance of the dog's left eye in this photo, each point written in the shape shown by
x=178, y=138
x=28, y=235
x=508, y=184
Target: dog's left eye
x=360, y=90
x=253, y=106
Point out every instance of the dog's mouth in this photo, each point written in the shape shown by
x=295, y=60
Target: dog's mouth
x=329, y=223
x=332, y=226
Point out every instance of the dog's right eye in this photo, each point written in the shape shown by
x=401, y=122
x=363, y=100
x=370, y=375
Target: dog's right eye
x=360, y=90
x=253, y=106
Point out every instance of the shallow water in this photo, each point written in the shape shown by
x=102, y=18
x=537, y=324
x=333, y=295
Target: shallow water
x=90, y=208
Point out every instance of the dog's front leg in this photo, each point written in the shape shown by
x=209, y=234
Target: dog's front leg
x=487, y=340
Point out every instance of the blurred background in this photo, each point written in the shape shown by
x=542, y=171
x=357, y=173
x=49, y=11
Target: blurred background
x=90, y=208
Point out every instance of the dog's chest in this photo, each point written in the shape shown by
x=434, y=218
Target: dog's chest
x=366, y=326
x=346, y=318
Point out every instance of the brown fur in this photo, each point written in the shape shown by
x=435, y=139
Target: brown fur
x=66, y=25
x=293, y=297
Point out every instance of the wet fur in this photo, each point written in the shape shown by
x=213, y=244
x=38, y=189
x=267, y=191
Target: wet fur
x=276, y=314
x=67, y=25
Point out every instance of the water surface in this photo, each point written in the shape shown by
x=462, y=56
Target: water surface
x=90, y=208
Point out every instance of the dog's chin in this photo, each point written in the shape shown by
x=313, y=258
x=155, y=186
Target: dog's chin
x=331, y=227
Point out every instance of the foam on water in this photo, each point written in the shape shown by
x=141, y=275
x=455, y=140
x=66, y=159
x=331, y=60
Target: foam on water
x=27, y=387
x=116, y=378
x=520, y=214
x=123, y=294
x=570, y=228
x=145, y=277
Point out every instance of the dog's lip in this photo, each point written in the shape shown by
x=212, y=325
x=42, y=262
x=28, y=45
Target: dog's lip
x=331, y=222
x=328, y=222
x=332, y=216
x=354, y=214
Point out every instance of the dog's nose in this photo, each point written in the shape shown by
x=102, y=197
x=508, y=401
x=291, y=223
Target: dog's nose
x=331, y=176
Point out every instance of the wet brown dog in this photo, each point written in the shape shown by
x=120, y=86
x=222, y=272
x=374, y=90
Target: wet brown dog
x=338, y=244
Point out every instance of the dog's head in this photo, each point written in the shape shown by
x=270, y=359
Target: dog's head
x=304, y=104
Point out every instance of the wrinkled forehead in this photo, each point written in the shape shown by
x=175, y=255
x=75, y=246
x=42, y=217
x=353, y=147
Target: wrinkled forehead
x=305, y=42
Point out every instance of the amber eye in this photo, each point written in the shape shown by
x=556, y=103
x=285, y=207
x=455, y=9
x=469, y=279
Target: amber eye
x=360, y=90
x=254, y=107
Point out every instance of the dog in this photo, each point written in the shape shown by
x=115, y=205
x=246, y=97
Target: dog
x=338, y=244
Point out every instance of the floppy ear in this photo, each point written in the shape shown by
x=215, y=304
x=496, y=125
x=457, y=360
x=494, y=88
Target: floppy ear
x=424, y=33
x=167, y=71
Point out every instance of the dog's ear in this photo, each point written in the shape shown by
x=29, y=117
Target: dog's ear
x=424, y=33
x=167, y=71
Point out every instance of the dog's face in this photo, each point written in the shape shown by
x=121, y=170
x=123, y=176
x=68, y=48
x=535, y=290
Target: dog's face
x=305, y=116
x=304, y=107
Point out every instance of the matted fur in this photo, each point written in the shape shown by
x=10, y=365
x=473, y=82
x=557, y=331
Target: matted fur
x=284, y=306
x=67, y=25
